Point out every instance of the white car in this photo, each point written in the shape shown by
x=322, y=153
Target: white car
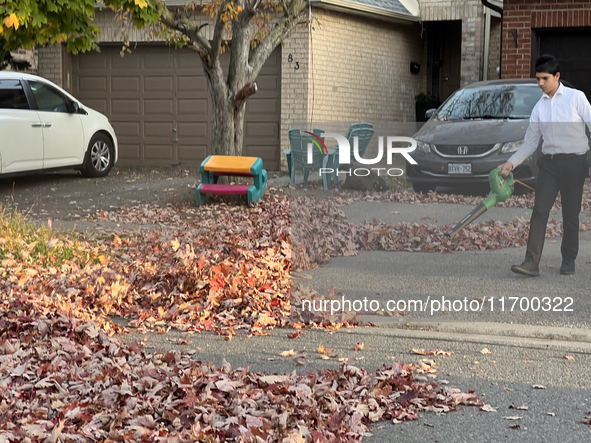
x=42, y=128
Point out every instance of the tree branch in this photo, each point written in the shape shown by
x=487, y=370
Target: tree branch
x=218, y=31
x=246, y=92
x=293, y=17
x=188, y=28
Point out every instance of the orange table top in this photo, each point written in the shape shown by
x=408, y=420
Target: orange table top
x=229, y=164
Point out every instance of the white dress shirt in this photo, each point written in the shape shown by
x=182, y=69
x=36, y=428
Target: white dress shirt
x=560, y=121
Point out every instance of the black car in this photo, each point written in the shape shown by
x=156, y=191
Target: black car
x=476, y=129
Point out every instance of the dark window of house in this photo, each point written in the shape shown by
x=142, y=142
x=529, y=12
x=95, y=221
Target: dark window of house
x=12, y=95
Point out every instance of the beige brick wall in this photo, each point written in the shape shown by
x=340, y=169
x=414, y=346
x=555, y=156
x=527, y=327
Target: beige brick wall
x=113, y=30
x=471, y=13
x=29, y=55
x=295, y=84
x=50, y=63
x=361, y=69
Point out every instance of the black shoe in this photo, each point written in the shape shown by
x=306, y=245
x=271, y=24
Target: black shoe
x=568, y=267
x=526, y=268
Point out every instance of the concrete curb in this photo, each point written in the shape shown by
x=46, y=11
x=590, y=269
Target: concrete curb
x=487, y=329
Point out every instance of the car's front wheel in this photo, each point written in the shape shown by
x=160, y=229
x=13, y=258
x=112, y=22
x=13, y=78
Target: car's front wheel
x=99, y=156
x=423, y=188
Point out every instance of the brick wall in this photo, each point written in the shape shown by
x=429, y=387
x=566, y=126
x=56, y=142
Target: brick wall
x=361, y=69
x=295, y=84
x=471, y=13
x=50, y=63
x=28, y=55
x=523, y=15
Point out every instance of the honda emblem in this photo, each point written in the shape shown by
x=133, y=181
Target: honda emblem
x=462, y=150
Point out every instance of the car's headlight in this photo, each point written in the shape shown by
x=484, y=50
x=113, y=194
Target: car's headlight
x=511, y=146
x=424, y=147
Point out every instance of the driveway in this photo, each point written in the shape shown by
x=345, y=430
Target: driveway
x=67, y=195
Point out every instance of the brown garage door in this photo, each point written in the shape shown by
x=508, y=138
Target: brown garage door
x=568, y=46
x=158, y=102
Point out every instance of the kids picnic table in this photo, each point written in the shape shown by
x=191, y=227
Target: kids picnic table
x=217, y=165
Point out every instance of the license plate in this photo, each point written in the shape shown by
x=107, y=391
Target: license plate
x=459, y=168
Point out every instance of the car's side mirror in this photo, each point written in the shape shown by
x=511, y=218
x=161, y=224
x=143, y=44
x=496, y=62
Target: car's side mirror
x=430, y=113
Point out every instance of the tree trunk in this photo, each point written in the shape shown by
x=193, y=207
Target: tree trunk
x=228, y=125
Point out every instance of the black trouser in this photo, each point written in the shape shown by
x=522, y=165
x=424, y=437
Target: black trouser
x=564, y=173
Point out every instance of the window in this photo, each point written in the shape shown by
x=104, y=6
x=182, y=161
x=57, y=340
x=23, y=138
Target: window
x=502, y=101
x=12, y=95
x=48, y=98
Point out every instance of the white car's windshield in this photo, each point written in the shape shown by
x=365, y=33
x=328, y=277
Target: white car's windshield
x=489, y=102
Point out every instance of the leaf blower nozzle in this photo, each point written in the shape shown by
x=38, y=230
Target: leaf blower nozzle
x=501, y=188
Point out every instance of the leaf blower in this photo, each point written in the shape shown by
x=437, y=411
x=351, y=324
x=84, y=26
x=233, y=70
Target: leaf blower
x=501, y=188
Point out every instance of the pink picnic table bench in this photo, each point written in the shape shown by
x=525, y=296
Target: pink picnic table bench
x=217, y=165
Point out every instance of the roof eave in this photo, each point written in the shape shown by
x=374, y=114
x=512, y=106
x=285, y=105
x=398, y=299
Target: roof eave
x=356, y=8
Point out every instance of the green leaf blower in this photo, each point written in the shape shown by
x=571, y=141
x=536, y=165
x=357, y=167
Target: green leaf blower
x=501, y=188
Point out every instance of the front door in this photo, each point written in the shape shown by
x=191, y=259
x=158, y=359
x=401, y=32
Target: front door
x=21, y=135
x=567, y=46
x=445, y=49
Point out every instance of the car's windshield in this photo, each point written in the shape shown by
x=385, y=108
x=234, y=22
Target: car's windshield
x=488, y=102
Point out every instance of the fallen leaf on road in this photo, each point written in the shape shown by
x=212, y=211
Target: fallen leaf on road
x=569, y=357
x=485, y=351
x=300, y=358
x=359, y=346
x=514, y=426
x=551, y=414
x=507, y=389
x=432, y=352
x=295, y=334
x=488, y=408
x=521, y=408
x=323, y=350
x=287, y=353
x=513, y=417
x=538, y=386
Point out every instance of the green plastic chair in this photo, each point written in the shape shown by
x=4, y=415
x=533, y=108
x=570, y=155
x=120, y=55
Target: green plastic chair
x=364, y=133
x=299, y=156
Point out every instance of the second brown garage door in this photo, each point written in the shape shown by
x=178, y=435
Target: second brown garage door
x=158, y=103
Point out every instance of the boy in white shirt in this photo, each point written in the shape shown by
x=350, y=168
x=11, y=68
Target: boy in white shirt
x=559, y=118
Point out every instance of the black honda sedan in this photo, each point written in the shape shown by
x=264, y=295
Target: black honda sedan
x=476, y=129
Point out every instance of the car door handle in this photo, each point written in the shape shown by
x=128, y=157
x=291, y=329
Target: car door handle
x=47, y=125
x=36, y=125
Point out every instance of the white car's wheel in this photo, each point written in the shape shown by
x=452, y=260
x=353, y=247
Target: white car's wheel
x=99, y=157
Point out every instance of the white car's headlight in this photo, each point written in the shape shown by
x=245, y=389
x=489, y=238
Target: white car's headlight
x=511, y=146
x=424, y=147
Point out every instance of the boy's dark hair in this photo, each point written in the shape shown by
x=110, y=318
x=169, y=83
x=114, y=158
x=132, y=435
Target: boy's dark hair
x=547, y=63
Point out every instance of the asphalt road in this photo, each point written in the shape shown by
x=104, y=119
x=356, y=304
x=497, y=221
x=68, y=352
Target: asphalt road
x=503, y=379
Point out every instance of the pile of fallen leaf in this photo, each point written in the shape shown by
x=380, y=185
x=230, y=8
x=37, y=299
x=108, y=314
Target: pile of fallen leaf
x=227, y=268
x=320, y=230
x=63, y=378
